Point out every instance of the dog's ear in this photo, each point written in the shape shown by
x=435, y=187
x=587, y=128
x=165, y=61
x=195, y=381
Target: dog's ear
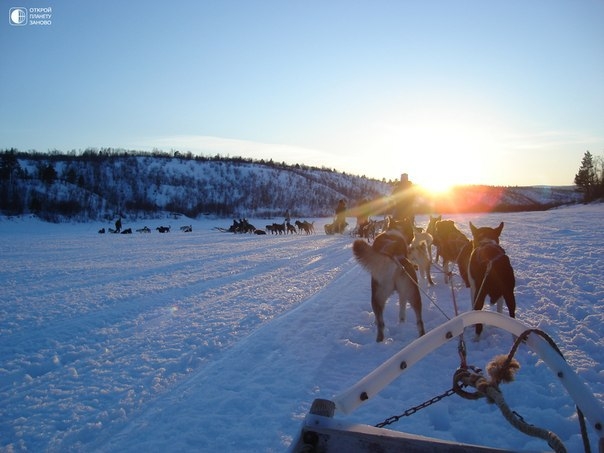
x=499, y=229
x=473, y=229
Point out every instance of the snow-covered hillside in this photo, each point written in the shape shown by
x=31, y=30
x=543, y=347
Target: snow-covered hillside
x=209, y=341
x=102, y=186
x=504, y=199
x=105, y=185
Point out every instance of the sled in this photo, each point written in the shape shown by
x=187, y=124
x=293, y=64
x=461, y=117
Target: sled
x=331, y=228
x=322, y=432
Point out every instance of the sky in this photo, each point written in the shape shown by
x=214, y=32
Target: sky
x=450, y=92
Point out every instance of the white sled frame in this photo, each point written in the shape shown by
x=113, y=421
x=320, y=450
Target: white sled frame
x=374, y=382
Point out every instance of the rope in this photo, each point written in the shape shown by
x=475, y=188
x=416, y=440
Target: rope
x=502, y=369
x=551, y=438
x=491, y=391
x=417, y=284
x=484, y=279
x=521, y=339
x=461, y=346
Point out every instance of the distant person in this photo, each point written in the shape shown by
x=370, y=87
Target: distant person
x=362, y=216
x=340, y=223
x=118, y=225
x=404, y=200
x=287, y=216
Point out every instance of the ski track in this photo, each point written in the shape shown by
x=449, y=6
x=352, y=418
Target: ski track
x=142, y=338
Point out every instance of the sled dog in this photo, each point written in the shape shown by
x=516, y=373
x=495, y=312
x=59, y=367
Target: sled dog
x=454, y=248
x=423, y=236
x=418, y=254
x=387, y=262
x=490, y=272
x=431, y=230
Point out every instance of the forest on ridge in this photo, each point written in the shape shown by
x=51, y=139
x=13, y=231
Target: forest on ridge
x=106, y=183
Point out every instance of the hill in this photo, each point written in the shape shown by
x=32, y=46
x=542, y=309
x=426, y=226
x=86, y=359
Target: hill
x=104, y=184
x=503, y=199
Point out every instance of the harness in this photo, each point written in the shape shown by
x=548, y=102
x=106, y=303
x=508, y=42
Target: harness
x=487, y=243
x=489, y=262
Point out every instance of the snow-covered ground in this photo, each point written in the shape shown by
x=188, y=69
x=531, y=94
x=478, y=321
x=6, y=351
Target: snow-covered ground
x=209, y=341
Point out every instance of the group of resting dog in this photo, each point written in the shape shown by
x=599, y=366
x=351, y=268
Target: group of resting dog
x=243, y=226
x=146, y=229
x=395, y=253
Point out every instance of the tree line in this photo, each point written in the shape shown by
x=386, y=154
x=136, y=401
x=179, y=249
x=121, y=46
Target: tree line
x=105, y=183
x=101, y=184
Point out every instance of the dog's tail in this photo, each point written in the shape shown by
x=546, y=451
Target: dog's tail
x=362, y=252
x=377, y=264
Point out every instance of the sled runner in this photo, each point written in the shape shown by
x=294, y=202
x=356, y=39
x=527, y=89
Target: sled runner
x=322, y=432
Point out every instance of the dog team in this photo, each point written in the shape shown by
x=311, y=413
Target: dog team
x=402, y=249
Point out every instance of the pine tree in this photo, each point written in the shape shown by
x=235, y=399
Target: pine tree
x=9, y=165
x=586, y=178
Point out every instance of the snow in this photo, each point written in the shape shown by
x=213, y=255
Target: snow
x=206, y=340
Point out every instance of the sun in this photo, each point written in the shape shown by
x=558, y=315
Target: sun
x=437, y=184
x=446, y=173
x=440, y=156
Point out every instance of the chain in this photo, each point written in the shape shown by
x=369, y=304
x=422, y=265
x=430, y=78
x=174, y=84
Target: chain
x=414, y=409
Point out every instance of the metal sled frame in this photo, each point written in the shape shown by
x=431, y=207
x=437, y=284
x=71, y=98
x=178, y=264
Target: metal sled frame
x=322, y=433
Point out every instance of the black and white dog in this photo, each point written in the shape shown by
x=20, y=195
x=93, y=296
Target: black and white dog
x=387, y=262
x=490, y=272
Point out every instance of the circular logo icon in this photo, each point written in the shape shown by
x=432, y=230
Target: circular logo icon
x=17, y=16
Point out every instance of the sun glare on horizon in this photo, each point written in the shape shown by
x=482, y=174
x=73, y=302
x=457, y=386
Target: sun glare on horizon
x=444, y=173
x=438, y=156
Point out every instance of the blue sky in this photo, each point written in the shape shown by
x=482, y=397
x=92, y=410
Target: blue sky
x=494, y=92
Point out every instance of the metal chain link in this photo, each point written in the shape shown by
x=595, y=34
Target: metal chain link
x=413, y=410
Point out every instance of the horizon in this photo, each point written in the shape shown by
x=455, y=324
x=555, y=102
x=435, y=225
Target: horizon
x=504, y=94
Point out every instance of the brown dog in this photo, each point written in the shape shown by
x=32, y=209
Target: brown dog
x=386, y=260
x=490, y=272
x=454, y=247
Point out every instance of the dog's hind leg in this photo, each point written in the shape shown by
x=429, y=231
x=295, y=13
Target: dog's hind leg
x=510, y=301
x=446, y=270
x=402, y=309
x=478, y=303
x=416, y=304
x=428, y=274
x=378, y=301
x=408, y=291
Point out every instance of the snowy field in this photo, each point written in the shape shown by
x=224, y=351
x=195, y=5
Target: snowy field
x=210, y=341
